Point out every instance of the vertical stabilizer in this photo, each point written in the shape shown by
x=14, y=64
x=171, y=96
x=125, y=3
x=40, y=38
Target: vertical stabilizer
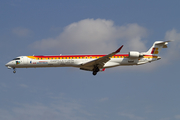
x=157, y=46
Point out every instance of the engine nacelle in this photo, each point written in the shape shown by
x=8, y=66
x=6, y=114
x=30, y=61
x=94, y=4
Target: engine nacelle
x=135, y=54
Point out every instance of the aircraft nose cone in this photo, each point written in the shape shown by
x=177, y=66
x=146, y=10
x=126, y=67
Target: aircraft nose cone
x=8, y=64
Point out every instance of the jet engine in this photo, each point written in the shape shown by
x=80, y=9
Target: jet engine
x=135, y=54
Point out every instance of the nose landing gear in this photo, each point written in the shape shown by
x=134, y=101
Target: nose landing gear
x=14, y=70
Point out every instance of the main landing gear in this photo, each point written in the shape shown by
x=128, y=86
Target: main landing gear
x=14, y=70
x=95, y=70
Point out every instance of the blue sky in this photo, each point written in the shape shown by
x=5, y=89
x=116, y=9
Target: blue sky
x=144, y=92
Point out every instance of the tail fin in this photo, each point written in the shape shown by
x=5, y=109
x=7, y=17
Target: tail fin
x=157, y=46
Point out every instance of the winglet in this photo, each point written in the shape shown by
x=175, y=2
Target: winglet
x=118, y=50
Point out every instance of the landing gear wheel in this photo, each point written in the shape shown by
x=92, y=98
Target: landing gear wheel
x=94, y=73
x=14, y=70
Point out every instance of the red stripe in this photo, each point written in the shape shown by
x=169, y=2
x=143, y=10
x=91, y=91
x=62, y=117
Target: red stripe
x=77, y=56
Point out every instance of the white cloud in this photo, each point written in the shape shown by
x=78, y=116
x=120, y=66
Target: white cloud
x=94, y=36
x=104, y=99
x=168, y=55
x=177, y=117
x=131, y=116
x=100, y=36
x=56, y=110
x=5, y=115
x=174, y=47
x=21, y=32
x=166, y=119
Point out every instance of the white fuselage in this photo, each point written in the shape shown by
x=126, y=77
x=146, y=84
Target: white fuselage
x=76, y=61
x=93, y=63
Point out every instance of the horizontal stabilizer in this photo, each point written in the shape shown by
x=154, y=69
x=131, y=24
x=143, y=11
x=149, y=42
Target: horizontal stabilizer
x=157, y=46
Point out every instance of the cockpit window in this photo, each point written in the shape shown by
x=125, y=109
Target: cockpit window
x=16, y=59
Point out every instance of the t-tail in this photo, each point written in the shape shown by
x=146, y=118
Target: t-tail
x=156, y=48
x=152, y=53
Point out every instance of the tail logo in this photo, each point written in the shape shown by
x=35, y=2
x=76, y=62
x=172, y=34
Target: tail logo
x=154, y=51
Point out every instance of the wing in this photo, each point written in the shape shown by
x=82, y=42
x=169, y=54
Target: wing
x=100, y=61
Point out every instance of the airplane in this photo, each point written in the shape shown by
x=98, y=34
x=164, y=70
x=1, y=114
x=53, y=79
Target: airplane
x=94, y=63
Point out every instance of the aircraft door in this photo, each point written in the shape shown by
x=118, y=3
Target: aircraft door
x=23, y=60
